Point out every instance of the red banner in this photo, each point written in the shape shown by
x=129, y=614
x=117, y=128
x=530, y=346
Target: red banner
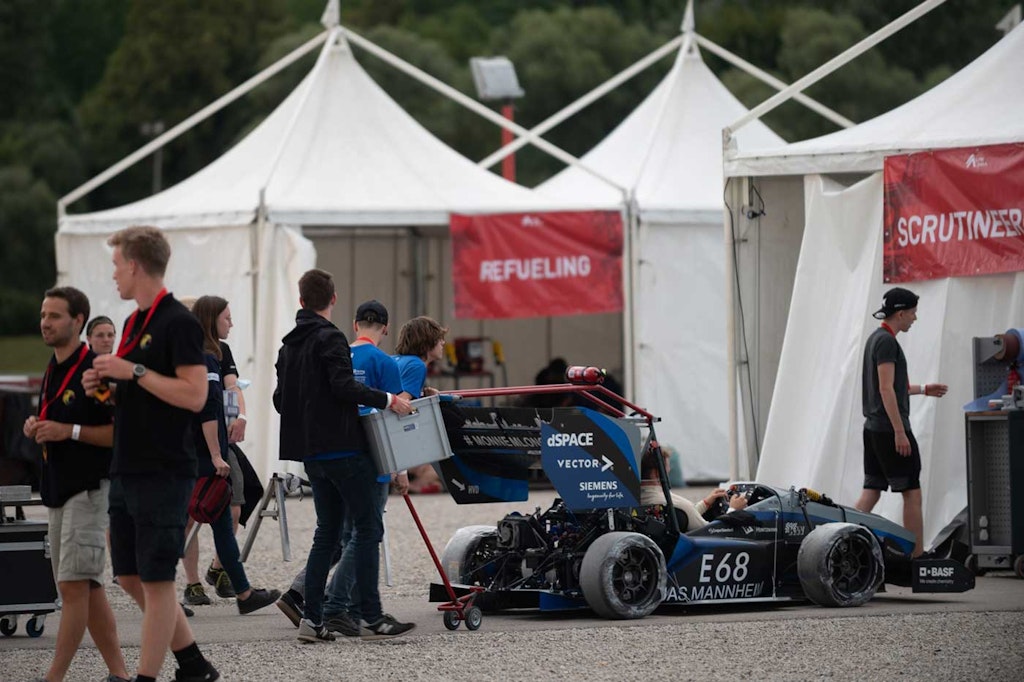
x=536, y=264
x=954, y=212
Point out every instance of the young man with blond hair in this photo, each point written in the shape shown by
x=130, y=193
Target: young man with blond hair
x=157, y=379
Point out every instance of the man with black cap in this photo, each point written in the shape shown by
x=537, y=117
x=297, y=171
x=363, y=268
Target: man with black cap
x=891, y=456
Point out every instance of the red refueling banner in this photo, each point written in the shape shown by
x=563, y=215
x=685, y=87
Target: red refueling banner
x=536, y=264
x=954, y=213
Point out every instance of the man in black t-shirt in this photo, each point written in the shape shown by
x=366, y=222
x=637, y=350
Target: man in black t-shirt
x=891, y=456
x=160, y=382
x=76, y=433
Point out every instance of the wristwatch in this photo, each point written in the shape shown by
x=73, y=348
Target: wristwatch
x=138, y=371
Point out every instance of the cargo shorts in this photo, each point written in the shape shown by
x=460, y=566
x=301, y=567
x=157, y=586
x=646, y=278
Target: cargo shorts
x=78, y=536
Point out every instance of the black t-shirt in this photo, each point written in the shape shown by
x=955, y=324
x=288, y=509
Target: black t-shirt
x=212, y=411
x=227, y=361
x=881, y=348
x=151, y=436
x=72, y=466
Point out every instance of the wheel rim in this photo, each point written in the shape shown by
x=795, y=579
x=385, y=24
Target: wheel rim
x=852, y=564
x=635, y=575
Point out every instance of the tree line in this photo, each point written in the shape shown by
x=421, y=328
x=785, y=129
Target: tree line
x=84, y=81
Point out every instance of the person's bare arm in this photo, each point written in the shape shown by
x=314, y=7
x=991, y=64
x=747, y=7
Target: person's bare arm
x=236, y=431
x=886, y=377
x=186, y=389
x=213, y=443
x=48, y=431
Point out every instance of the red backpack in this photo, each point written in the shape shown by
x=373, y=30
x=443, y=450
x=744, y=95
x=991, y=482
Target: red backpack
x=210, y=496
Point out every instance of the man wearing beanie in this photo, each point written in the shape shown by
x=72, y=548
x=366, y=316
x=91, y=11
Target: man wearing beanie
x=891, y=456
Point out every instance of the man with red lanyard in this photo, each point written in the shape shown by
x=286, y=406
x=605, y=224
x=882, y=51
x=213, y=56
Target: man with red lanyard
x=891, y=456
x=159, y=378
x=76, y=433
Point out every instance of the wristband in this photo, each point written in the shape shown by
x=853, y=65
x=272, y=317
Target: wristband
x=391, y=401
x=924, y=389
x=76, y=431
x=242, y=418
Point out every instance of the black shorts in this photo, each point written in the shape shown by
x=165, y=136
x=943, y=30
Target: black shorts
x=147, y=525
x=885, y=468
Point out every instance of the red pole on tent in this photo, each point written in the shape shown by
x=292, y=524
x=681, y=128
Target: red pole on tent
x=508, y=164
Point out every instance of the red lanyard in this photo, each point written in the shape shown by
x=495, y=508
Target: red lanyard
x=888, y=329
x=366, y=339
x=67, y=379
x=123, y=348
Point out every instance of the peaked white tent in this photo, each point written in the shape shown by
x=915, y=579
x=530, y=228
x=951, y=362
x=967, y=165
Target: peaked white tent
x=668, y=153
x=813, y=426
x=337, y=152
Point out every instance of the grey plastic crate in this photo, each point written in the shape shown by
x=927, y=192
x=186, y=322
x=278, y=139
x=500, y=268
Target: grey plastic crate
x=400, y=442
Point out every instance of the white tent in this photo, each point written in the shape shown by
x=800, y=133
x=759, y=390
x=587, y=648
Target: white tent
x=822, y=240
x=668, y=154
x=337, y=152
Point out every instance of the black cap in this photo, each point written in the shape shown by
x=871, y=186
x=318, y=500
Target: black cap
x=895, y=300
x=372, y=312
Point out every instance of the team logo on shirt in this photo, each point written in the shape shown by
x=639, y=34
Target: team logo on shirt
x=68, y=397
x=145, y=341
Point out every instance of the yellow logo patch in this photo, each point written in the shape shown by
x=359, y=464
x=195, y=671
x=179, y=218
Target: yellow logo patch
x=68, y=397
x=145, y=341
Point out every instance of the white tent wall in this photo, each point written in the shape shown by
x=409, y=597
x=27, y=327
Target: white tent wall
x=766, y=250
x=813, y=435
x=382, y=265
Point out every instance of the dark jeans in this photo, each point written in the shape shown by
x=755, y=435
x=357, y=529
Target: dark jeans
x=345, y=489
x=342, y=593
x=227, y=549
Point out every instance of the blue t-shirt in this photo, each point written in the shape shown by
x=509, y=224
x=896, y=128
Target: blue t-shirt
x=376, y=369
x=414, y=374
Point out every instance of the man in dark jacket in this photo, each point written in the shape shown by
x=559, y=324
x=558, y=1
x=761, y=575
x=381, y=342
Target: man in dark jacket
x=318, y=398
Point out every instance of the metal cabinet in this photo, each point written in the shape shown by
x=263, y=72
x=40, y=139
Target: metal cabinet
x=995, y=489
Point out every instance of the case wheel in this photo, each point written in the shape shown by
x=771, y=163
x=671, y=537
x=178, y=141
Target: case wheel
x=451, y=620
x=8, y=624
x=474, y=617
x=35, y=626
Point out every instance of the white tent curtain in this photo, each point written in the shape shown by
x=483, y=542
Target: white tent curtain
x=813, y=436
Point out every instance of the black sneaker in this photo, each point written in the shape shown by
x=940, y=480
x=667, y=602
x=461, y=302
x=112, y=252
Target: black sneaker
x=258, y=598
x=343, y=624
x=196, y=595
x=313, y=634
x=291, y=607
x=208, y=675
x=218, y=577
x=387, y=626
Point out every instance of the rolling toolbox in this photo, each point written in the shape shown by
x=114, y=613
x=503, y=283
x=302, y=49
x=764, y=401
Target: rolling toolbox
x=26, y=576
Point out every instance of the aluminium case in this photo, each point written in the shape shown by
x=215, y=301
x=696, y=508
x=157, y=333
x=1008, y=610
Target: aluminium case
x=400, y=442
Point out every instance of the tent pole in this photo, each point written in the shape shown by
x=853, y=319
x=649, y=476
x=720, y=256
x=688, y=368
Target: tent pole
x=583, y=102
x=471, y=104
x=730, y=327
x=190, y=122
x=629, y=308
x=774, y=82
x=835, y=63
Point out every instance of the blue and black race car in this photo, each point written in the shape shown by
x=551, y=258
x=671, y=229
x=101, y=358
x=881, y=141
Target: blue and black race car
x=597, y=547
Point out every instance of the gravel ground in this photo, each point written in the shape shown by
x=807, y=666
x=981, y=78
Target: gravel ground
x=934, y=646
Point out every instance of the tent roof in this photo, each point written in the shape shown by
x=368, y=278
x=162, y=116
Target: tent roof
x=337, y=151
x=669, y=149
x=979, y=105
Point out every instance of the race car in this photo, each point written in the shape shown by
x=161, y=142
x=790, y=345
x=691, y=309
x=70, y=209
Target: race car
x=597, y=547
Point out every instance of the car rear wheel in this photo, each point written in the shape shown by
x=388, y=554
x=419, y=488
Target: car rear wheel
x=467, y=554
x=840, y=564
x=623, y=575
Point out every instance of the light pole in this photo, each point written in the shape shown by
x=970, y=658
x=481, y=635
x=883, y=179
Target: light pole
x=155, y=129
x=495, y=79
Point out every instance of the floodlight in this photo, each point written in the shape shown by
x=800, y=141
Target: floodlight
x=495, y=78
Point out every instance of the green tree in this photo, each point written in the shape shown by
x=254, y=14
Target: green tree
x=176, y=57
x=27, y=222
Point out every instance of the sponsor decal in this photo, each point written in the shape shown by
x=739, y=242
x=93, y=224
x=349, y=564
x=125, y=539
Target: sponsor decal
x=795, y=529
x=685, y=593
x=145, y=341
x=936, y=572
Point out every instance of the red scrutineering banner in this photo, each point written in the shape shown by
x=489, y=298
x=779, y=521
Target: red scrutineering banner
x=954, y=212
x=537, y=264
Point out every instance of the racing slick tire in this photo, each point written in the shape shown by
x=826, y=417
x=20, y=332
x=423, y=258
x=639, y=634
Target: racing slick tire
x=840, y=564
x=459, y=552
x=623, y=576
